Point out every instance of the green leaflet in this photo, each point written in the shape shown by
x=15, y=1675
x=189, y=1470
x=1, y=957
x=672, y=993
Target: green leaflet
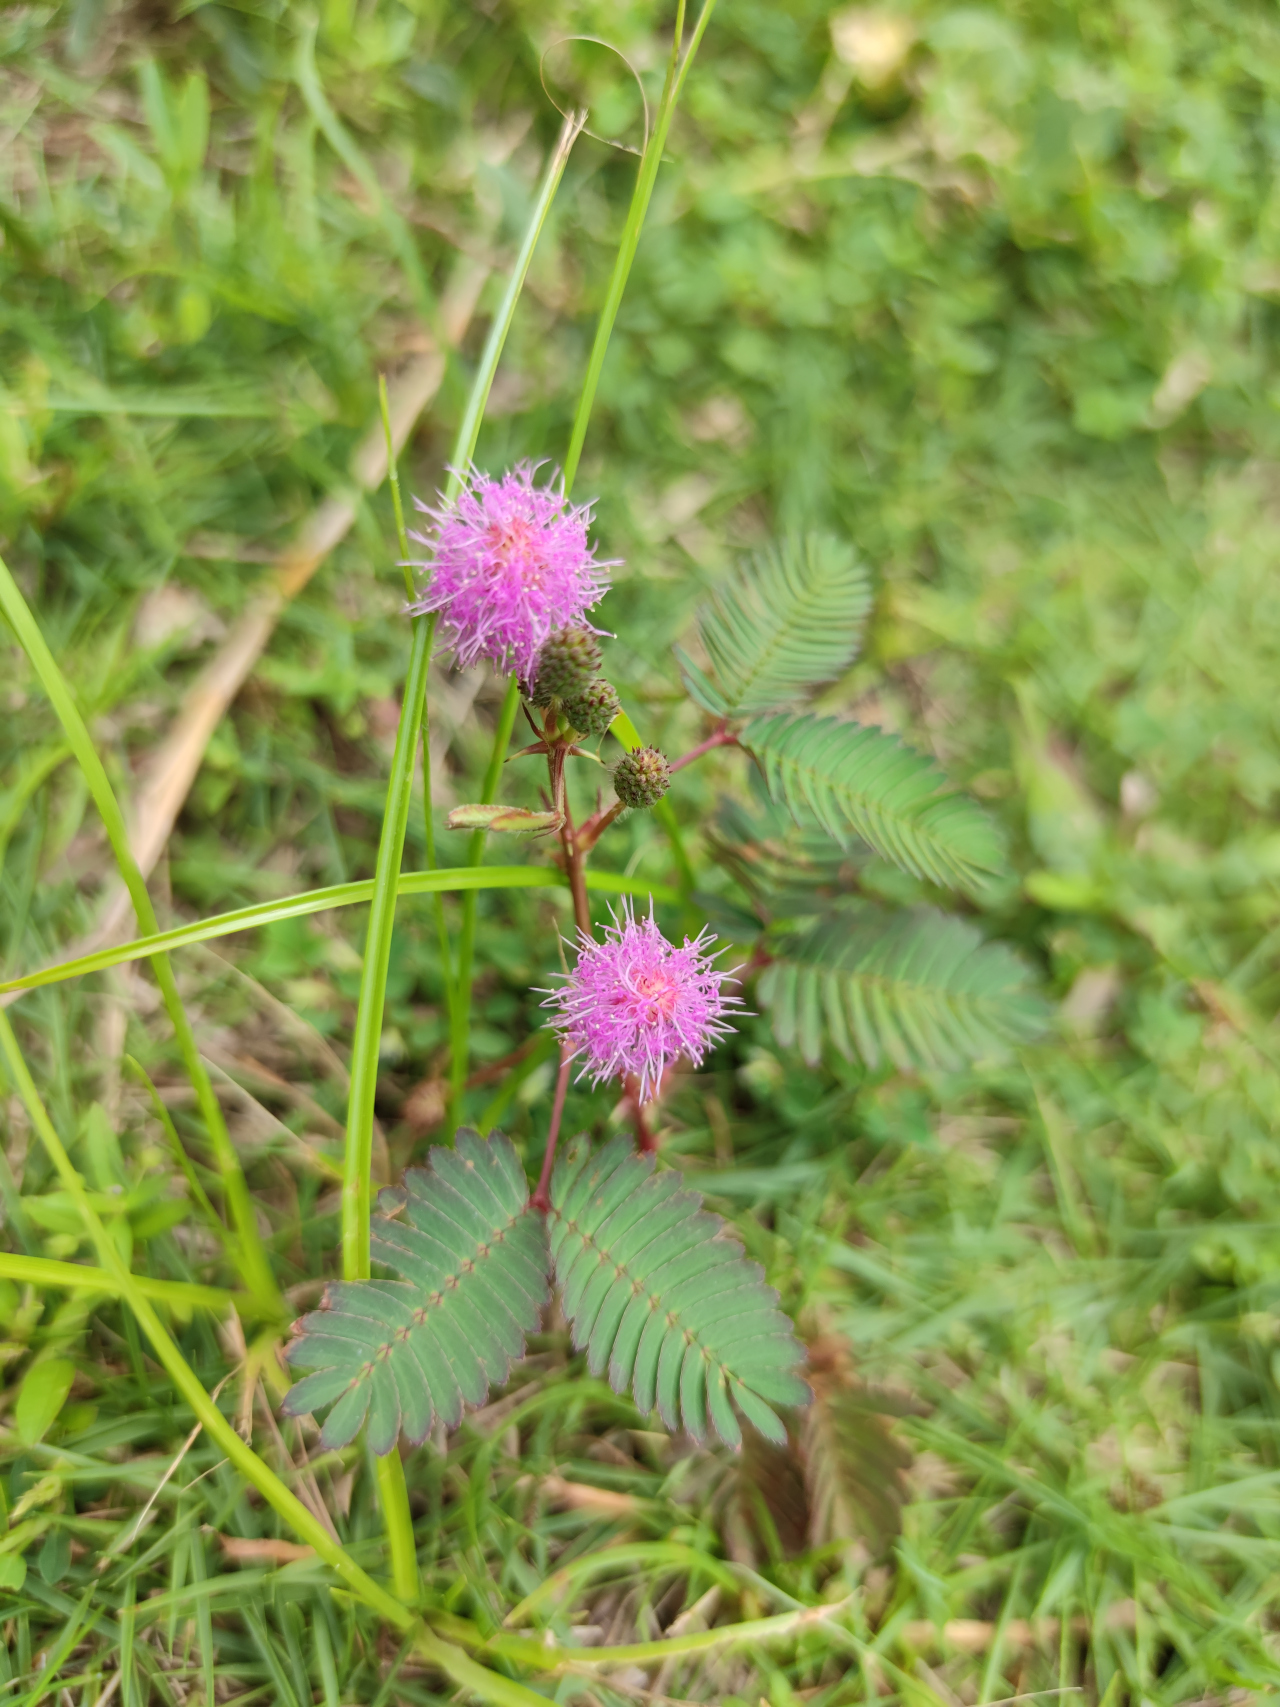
x=473, y=1260
x=861, y=781
x=787, y=620
x=918, y=988
x=657, y=1293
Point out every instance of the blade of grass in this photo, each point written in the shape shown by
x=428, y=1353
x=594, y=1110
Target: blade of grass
x=61, y=1651
x=677, y=71
x=358, y=1157
x=250, y=1256
x=198, y=1193
x=451, y=878
x=428, y=820
x=204, y=1618
x=460, y=1008
x=243, y=1458
x=339, y=139
x=44, y=1271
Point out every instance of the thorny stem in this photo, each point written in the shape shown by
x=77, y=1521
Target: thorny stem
x=721, y=738
x=541, y=1198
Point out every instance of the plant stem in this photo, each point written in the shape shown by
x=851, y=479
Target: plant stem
x=575, y=870
x=251, y=1258
x=721, y=738
x=460, y=1016
x=646, y=1138
x=469, y=427
x=541, y=1198
x=677, y=71
x=357, y=1183
x=394, y=1496
x=358, y=1156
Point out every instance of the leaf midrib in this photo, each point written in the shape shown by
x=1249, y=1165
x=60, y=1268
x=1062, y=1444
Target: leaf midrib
x=638, y=1288
x=436, y=1299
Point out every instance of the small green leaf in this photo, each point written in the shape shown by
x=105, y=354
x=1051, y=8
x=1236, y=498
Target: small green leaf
x=54, y=1558
x=42, y=1395
x=13, y=1572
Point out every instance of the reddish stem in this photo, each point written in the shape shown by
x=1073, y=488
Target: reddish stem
x=636, y=1112
x=541, y=1198
x=722, y=738
x=590, y=832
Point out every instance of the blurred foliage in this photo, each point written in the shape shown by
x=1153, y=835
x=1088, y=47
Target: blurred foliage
x=989, y=292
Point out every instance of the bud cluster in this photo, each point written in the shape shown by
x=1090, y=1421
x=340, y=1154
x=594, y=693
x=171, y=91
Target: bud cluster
x=640, y=779
x=594, y=709
x=566, y=666
x=567, y=675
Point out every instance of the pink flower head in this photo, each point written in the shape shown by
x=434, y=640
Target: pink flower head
x=635, y=1001
x=510, y=564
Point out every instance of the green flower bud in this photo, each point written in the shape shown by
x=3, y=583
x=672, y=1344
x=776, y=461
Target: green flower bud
x=566, y=666
x=642, y=778
x=592, y=711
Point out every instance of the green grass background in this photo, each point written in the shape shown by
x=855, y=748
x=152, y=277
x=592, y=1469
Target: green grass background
x=1006, y=320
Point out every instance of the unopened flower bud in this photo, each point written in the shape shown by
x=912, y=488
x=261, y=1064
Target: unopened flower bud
x=566, y=665
x=594, y=709
x=642, y=778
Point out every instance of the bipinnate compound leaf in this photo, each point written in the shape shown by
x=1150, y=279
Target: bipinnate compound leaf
x=661, y=1297
x=472, y=1256
x=855, y=1463
x=786, y=620
x=918, y=988
x=861, y=781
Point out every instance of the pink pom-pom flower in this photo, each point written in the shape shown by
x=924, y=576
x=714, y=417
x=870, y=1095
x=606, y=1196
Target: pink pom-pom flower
x=510, y=564
x=635, y=1002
